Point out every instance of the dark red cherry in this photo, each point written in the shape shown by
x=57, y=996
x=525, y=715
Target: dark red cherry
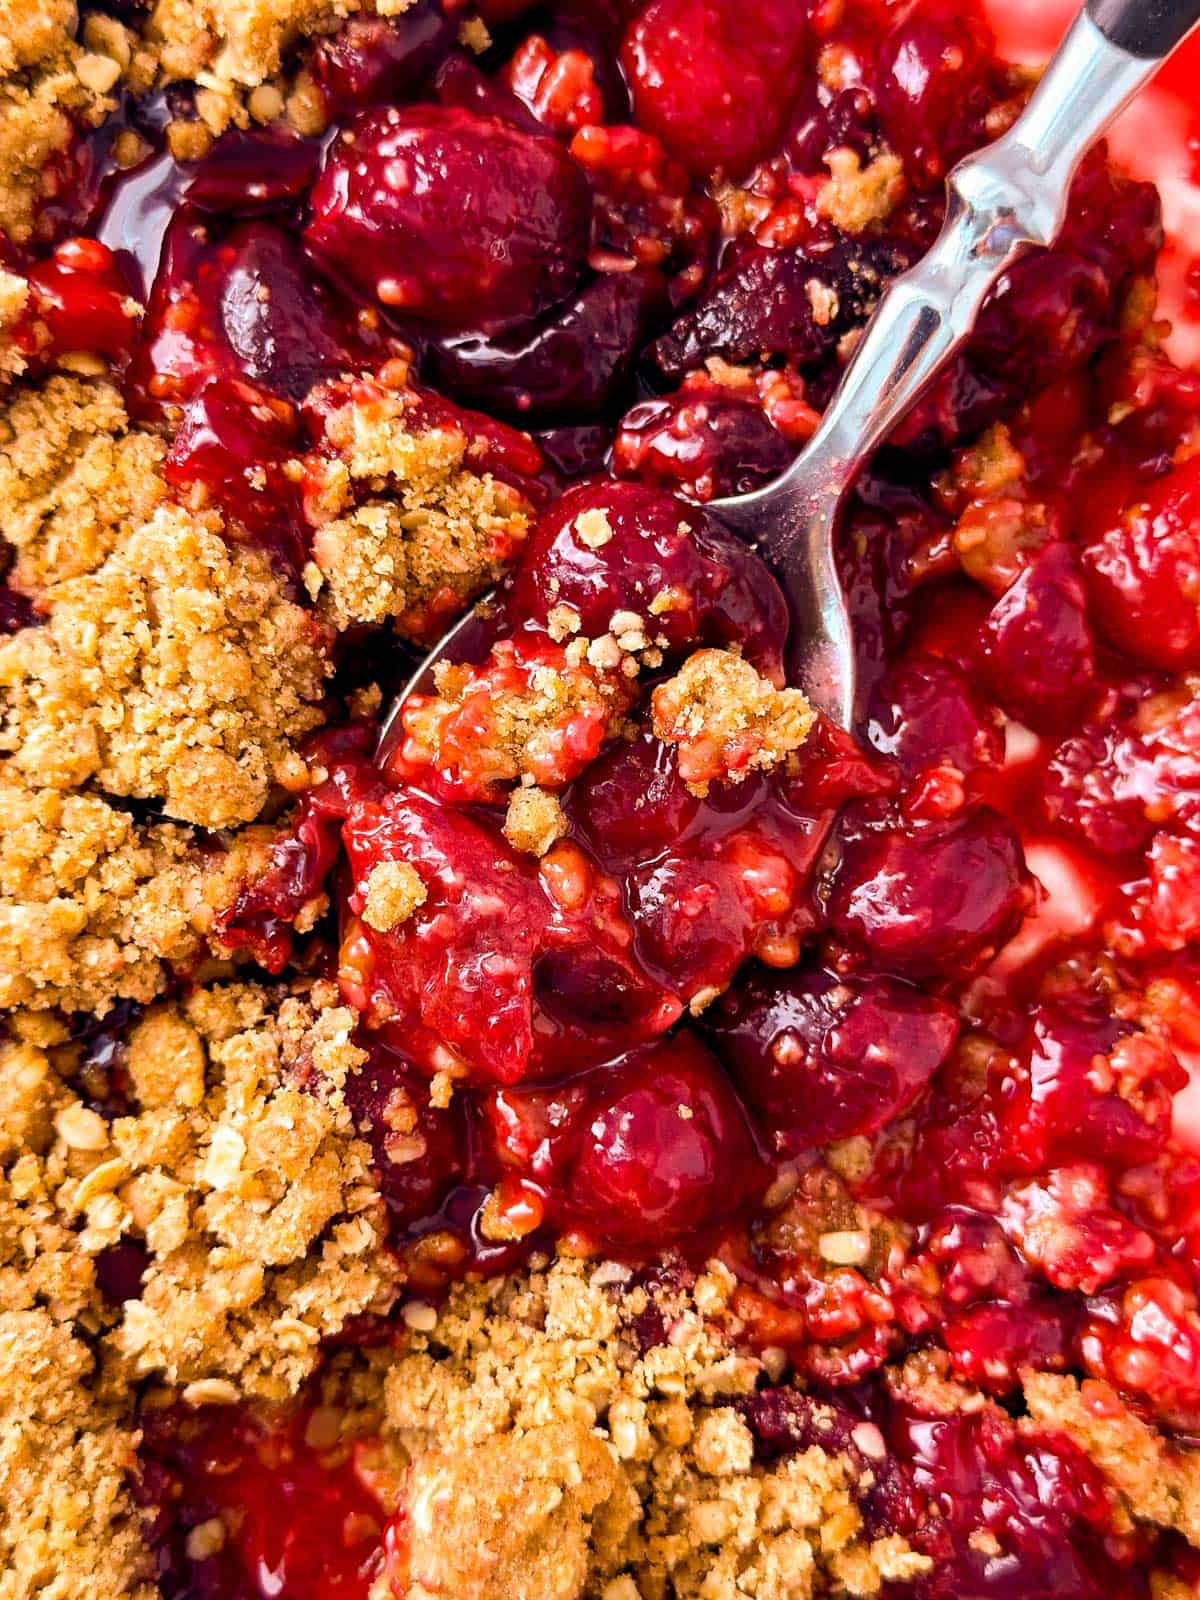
x=666, y=1149
x=1036, y=649
x=79, y=295
x=926, y=713
x=372, y=60
x=251, y=171
x=607, y=547
x=573, y=363
x=701, y=443
x=764, y=300
x=930, y=70
x=714, y=79
x=1144, y=574
x=450, y=217
x=819, y=1058
x=932, y=897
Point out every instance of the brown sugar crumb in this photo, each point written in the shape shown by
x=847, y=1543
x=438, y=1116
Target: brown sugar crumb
x=68, y=1523
x=177, y=670
x=595, y=1466
x=92, y=904
x=241, y=41
x=256, y=1203
x=534, y=821
x=74, y=480
x=858, y=199
x=727, y=719
x=433, y=532
x=394, y=891
x=1158, y=1482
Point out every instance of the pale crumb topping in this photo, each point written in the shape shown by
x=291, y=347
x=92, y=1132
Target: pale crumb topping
x=75, y=481
x=239, y=1174
x=1158, y=1482
x=534, y=821
x=727, y=719
x=594, y=1467
x=176, y=671
x=394, y=890
x=92, y=903
x=857, y=199
x=433, y=532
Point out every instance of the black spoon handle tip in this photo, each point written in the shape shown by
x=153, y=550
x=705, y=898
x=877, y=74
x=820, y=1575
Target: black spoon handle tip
x=1145, y=28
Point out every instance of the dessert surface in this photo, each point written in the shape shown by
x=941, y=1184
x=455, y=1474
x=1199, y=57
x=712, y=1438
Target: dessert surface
x=626, y=1139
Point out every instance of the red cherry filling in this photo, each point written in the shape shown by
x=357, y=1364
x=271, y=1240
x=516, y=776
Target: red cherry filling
x=713, y=78
x=655, y=1146
x=1144, y=574
x=450, y=217
x=502, y=970
x=820, y=1059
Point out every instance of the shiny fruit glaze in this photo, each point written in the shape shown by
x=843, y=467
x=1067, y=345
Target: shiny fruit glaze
x=930, y=986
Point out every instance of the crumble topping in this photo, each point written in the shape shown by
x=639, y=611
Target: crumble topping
x=177, y=671
x=92, y=903
x=632, y=1464
x=75, y=480
x=534, y=821
x=860, y=198
x=393, y=892
x=1159, y=1483
x=433, y=533
x=727, y=719
x=239, y=1174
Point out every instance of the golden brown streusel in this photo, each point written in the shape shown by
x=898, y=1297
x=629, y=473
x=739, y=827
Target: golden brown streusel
x=394, y=892
x=93, y=905
x=176, y=671
x=534, y=821
x=75, y=480
x=860, y=198
x=1158, y=1482
x=433, y=532
x=727, y=719
x=525, y=1377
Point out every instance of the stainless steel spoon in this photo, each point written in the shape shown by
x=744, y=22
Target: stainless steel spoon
x=1004, y=200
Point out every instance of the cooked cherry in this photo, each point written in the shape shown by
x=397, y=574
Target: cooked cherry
x=932, y=897
x=1036, y=648
x=372, y=60
x=250, y=172
x=1144, y=574
x=702, y=443
x=573, y=363
x=821, y=1059
x=450, y=217
x=926, y=713
x=665, y=1149
x=927, y=80
x=607, y=547
x=714, y=78
x=765, y=300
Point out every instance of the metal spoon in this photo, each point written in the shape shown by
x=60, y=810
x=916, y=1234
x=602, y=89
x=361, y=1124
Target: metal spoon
x=1004, y=200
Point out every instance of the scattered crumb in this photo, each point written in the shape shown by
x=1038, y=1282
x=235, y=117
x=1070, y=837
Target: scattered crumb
x=534, y=821
x=393, y=892
x=727, y=719
x=857, y=199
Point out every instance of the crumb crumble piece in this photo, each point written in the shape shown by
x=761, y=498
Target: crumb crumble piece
x=432, y=532
x=534, y=821
x=92, y=904
x=857, y=199
x=176, y=670
x=394, y=890
x=75, y=480
x=727, y=719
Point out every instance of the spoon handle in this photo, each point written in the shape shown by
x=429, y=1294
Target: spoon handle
x=1002, y=201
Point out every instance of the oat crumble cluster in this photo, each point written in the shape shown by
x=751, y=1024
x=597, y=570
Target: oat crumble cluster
x=619, y=1136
